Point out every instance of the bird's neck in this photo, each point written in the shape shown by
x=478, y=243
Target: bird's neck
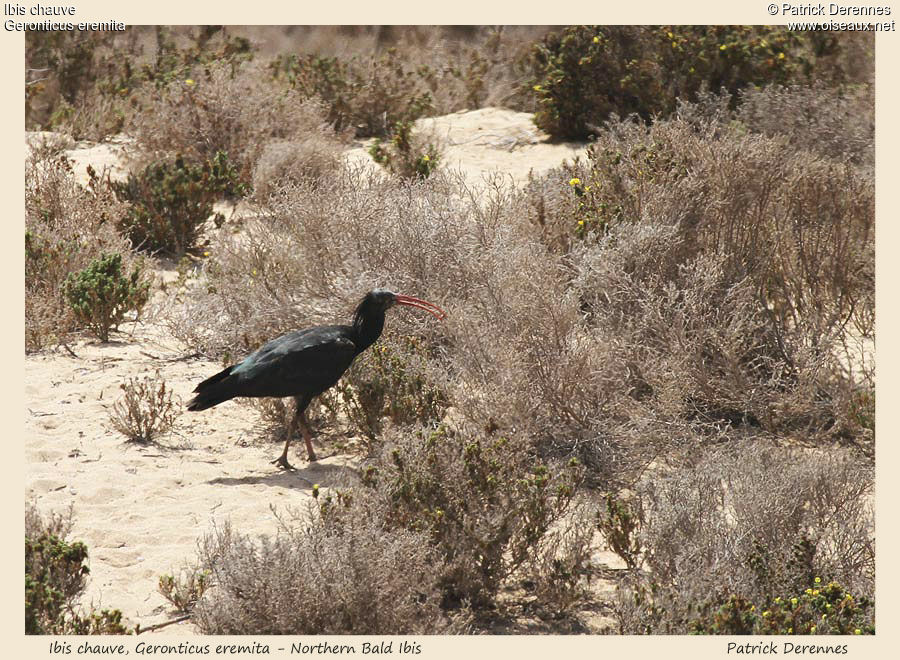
x=367, y=328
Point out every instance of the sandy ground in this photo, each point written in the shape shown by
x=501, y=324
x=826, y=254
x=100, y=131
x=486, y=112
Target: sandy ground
x=142, y=509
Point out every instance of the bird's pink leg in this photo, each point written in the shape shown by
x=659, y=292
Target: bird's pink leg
x=283, y=459
x=299, y=418
x=307, y=436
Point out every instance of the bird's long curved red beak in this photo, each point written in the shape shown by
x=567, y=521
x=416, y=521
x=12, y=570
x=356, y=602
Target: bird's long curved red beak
x=421, y=304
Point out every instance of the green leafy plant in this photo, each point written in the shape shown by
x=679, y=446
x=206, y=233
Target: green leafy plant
x=484, y=502
x=620, y=523
x=170, y=201
x=101, y=294
x=369, y=96
x=405, y=155
x=821, y=609
x=388, y=382
x=185, y=589
x=588, y=73
x=55, y=576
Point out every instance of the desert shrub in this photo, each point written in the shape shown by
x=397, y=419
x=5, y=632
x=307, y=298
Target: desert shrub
x=485, y=503
x=390, y=382
x=170, y=201
x=184, y=589
x=318, y=577
x=822, y=609
x=620, y=521
x=285, y=163
x=233, y=110
x=87, y=83
x=834, y=122
x=67, y=226
x=561, y=565
x=788, y=265
x=310, y=258
x=101, y=294
x=367, y=96
x=587, y=74
x=146, y=410
x=746, y=526
x=406, y=155
x=55, y=576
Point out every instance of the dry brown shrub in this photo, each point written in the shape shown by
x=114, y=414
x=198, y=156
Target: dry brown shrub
x=281, y=162
x=146, y=410
x=235, y=110
x=833, y=122
x=750, y=256
x=317, y=577
x=751, y=520
x=66, y=227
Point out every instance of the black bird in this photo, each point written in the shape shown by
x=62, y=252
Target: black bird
x=304, y=363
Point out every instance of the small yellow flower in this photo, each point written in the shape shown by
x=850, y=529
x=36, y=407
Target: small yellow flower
x=723, y=47
x=205, y=253
x=669, y=34
x=815, y=592
x=857, y=631
x=809, y=592
x=536, y=88
x=574, y=181
x=189, y=82
x=818, y=580
x=794, y=601
x=790, y=630
x=766, y=613
x=253, y=272
x=596, y=40
x=778, y=601
x=812, y=630
x=780, y=56
x=426, y=158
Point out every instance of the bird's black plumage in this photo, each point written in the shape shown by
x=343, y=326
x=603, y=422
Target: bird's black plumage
x=304, y=363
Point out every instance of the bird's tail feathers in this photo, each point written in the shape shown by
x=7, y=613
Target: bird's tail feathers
x=212, y=391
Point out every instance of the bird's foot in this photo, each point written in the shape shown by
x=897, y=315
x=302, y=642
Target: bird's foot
x=282, y=462
x=312, y=457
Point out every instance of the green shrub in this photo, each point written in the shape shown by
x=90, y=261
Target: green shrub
x=185, y=589
x=620, y=523
x=388, y=382
x=367, y=96
x=484, y=502
x=822, y=609
x=586, y=74
x=67, y=226
x=55, y=574
x=170, y=201
x=101, y=294
x=404, y=155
